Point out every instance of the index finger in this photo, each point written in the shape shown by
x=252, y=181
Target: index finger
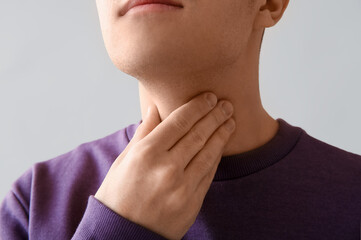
x=181, y=120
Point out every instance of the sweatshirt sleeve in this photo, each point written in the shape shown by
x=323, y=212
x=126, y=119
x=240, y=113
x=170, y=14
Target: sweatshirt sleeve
x=13, y=218
x=100, y=222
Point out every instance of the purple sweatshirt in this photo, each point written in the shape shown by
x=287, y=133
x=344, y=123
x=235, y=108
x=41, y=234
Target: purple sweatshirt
x=292, y=187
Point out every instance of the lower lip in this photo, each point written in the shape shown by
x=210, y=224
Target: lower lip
x=153, y=7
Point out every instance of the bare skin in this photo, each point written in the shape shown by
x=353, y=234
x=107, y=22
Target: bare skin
x=207, y=46
x=159, y=181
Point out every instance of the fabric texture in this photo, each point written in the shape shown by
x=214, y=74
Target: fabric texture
x=293, y=187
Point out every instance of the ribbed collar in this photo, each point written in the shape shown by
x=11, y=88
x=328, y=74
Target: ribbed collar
x=243, y=164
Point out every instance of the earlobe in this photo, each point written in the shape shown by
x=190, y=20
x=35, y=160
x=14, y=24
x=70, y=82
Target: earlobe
x=270, y=13
x=264, y=19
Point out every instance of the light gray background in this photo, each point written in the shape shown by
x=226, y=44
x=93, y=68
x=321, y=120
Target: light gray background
x=58, y=87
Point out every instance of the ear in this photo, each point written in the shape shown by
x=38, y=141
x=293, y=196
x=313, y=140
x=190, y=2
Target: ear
x=269, y=13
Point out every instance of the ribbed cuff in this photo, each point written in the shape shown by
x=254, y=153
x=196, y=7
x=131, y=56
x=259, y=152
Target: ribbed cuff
x=100, y=222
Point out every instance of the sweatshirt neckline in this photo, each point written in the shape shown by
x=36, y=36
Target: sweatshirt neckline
x=246, y=163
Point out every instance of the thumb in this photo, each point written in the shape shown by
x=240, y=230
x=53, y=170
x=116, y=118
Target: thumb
x=151, y=120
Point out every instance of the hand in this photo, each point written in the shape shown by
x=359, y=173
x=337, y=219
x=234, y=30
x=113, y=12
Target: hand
x=161, y=178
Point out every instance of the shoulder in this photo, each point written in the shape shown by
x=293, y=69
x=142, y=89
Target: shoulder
x=92, y=156
x=54, y=193
x=96, y=153
x=332, y=158
x=326, y=149
x=82, y=168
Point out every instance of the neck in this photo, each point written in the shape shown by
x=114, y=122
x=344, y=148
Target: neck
x=236, y=82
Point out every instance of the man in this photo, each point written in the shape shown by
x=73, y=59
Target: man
x=206, y=161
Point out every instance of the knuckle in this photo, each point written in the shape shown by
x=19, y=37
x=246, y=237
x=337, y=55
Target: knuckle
x=207, y=156
x=212, y=171
x=203, y=106
x=178, y=195
x=219, y=117
x=206, y=162
x=144, y=152
x=181, y=196
x=184, y=191
x=143, y=149
x=175, y=202
x=223, y=134
x=170, y=175
x=197, y=137
x=205, y=167
x=181, y=123
x=208, y=181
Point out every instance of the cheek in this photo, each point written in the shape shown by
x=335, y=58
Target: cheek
x=221, y=32
x=107, y=14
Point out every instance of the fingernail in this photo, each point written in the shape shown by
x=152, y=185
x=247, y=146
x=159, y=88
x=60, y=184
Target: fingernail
x=230, y=125
x=212, y=99
x=227, y=108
